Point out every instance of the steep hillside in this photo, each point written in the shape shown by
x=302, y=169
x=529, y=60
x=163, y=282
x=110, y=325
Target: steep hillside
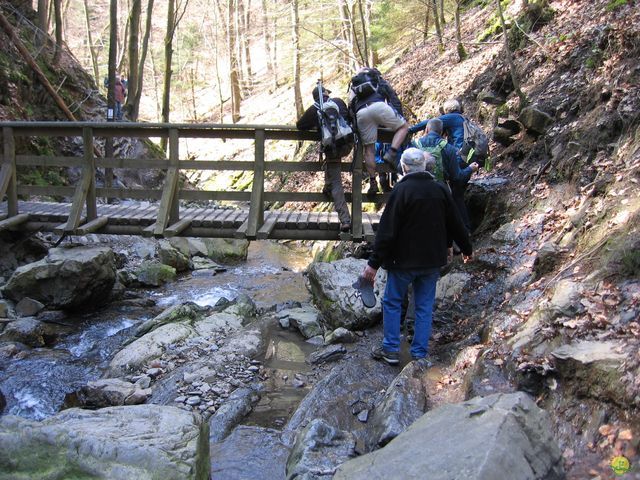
x=556, y=294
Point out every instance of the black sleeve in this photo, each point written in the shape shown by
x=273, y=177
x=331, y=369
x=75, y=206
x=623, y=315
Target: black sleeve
x=344, y=111
x=309, y=119
x=455, y=174
x=391, y=96
x=455, y=228
x=386, y=233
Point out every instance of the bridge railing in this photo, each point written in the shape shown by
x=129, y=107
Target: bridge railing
x=168, y=221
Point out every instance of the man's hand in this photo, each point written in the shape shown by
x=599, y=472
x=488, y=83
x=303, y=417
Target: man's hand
x=466, y=258
x=369, y=274
x=474, y=167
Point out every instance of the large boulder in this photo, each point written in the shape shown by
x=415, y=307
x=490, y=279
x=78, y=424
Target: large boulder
x=111, y=392
x=500, y=437
x=29, y=331
x=332, y=288
x=233, y=410
x=142, y=441
x=404, y=402
x=318, y=451
x=217, y=249
x=305, y=319
x=534, y=120
x=155, y=274
x=249, y=452
x=168, y=255
x=66, y=278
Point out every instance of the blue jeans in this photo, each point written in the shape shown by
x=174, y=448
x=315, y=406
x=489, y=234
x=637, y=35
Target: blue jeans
x=424, y=288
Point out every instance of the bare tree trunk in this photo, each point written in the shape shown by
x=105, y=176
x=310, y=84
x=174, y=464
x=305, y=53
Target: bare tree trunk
x=512, y=66
x=234, y=77
x=247, y=46
x=442, y=20
x=425, y=36
x=373, y=54
x=462, y=53
x=57, y=6
x=438, y=29
x=168, y=59
x=65, y=18
x=365, y=43
x=111, y=92
x=122, y=40
x=135, y=107
x=92, y=49
x=43, y=21
x=267, y=37
x=134, y=43
x=295, y=37
x=275, y=51
x=219, y=19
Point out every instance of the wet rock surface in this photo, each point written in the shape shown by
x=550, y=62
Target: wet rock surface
x=502, y=436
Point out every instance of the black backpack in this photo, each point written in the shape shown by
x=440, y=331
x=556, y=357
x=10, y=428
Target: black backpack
x=365, y=83
x=476, y=143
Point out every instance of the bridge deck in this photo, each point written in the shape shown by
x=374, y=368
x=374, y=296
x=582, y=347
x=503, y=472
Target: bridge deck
x=131, y=218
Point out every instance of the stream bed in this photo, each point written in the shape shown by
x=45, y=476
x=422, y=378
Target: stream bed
x=36, y=381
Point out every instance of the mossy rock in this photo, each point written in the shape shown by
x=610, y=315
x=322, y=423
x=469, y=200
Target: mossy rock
x=155, y=274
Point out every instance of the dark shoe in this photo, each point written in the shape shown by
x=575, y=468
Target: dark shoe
x=379, y=353
x=391, y=158
x=345, y=227
x=326, y=190
x=422, y=362
x=384, y=183
x=365, y=289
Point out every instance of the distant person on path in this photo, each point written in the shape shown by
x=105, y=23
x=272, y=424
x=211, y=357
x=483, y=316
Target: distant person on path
x=376, y=105
x=411, y=244
x=448, y=165
x=453, y=128
x=332, y=173
x=120, y=96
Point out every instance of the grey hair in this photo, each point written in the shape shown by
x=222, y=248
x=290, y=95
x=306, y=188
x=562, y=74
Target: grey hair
x=451, y=105
x=435, y=125
x=413, y=160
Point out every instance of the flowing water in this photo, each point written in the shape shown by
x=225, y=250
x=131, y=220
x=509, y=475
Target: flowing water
x=35, y=381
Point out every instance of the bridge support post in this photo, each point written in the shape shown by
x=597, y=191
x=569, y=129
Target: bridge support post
x=256, y=209
x=8, y=172
x=356, y=199
x=169, y=205
x=86, y=190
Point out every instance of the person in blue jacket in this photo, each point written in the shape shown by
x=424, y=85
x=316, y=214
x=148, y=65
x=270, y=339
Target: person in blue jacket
x=453, y=128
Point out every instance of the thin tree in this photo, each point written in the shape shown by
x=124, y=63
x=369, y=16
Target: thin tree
x=425, y=35
x=295, y=38
x=515, y=78
x=133, y=47
x=434, y=3
x=43, y=21
x=57, y=8
x=175, y=12
x=92, y=48
x=442, y=20
x=462, y=53
x=365, y=35
x=234, y=67
x=135, y=104
x=266, y=33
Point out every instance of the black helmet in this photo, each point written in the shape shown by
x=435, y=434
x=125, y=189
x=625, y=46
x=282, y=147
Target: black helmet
x=325, y=93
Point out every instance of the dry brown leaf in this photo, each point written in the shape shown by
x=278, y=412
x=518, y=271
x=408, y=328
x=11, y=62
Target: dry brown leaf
x=606, y=429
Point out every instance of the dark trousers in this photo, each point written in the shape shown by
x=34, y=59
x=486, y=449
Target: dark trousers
x=333, y=183
x=457, y=192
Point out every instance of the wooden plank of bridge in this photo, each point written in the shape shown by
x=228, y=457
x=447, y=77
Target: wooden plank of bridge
x=14, y=221
x=178, y=227
x=292, y=221
x=86, y=189
x=303, y=221
x=8, y=183
x=314, y=217
x=323, y=221
x=133, y=216
x=256, y=209
x=270, y=221
x=198, y=216
x=230, y=221
x=92, y=226
x=168, y=211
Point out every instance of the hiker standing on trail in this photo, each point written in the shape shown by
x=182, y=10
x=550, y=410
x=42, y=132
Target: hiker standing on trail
x=453, y=127
x=411, y=244
x=120, y=95
x=332, y=157
x=376, y=105
x=447, y=161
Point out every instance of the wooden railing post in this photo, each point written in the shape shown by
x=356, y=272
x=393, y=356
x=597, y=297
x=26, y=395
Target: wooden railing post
x=8, y=182
x=356, y=192
x=90, y=165
x=86, y=185
x=256, y=209
x=169, y=206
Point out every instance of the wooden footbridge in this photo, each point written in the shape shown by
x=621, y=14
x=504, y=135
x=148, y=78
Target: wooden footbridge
x=148, y=212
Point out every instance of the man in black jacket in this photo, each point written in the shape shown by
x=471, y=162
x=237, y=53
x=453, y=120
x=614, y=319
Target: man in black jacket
x=332, y=174
x=411, y=244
